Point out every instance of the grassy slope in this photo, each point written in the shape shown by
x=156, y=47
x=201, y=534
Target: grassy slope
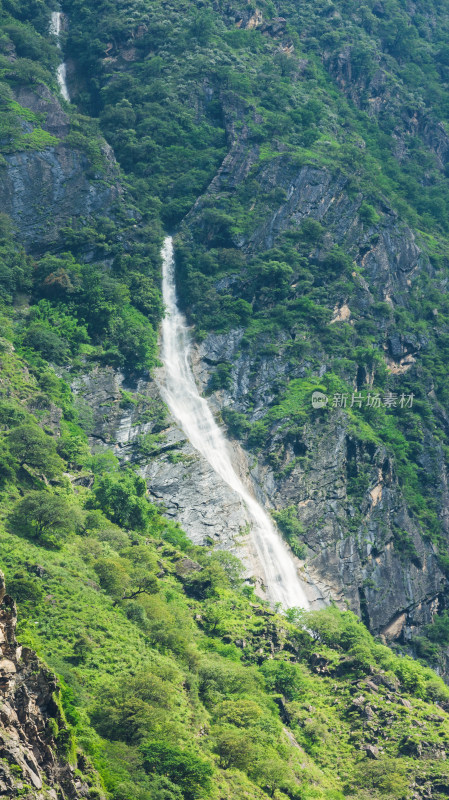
x=235, y=700
x=202, y=667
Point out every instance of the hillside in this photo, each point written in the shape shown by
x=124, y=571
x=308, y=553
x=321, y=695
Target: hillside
x=298, y=155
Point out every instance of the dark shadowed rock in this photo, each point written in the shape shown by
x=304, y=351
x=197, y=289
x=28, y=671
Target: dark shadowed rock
x=186, y=567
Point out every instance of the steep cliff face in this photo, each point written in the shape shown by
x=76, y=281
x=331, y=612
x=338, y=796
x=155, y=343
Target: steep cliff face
x=34, y=739
x=361, y=298
x=344, y=489
x=353, y=537
x=44, y=190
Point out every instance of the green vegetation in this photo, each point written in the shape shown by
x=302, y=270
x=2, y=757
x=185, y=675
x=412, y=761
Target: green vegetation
x=45, y=517
x=292, y=529
x=177, y=681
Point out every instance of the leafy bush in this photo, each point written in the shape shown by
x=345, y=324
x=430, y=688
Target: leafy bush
x=291, y=527
x=131, y=709
x=233, y=748
x=183, y=767
x=236, y=422
x=31, y=446
x=44, y=517
x=112, y=576
x=282, y=677
x=47, y=343
x=221, y=378
x=24, y=589
x=122, y=498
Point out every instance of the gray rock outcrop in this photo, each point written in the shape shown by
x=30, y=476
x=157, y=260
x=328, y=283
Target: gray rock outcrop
x=33, y=732
x=43, y=190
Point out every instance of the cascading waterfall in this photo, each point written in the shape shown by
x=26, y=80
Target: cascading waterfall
x=195, y=418
x=61, y=72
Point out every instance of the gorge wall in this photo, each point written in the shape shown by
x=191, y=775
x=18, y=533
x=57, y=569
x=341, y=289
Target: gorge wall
x=366, y=542
x=350, y=540
x=298, y=154
x=34, y=738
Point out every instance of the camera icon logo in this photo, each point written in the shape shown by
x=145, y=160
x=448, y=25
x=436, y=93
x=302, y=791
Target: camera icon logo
x=319, y=400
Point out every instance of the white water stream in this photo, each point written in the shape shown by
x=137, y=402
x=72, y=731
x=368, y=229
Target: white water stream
x=61, y=72
x=195, y=418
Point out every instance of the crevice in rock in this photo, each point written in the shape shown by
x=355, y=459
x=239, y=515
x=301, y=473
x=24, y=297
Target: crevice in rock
x=351, y=458
x=364, y=608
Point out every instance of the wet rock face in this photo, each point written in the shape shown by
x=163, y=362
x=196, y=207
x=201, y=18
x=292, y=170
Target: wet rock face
x=177, y=477
x=42, y=190
x=29, y=716
x=195, y=496
x=356, y=550
x=346, y=494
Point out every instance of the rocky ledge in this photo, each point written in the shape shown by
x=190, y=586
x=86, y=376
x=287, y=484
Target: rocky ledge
x=34, y=738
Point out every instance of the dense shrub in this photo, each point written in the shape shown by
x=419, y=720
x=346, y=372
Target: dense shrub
x=183, y=767
x=31, y=446
x=44, y=517
x=122, y=498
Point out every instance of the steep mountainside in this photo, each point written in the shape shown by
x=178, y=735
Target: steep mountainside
x=36, y=743
x=315, y=259
x=299, y=154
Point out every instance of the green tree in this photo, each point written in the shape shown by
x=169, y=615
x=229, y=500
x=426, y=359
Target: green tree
x=24, y=589
x=135, y=707
x=82, y=648
x=121, y=497
x=202, y=26
x=112, y=576
x=233, y=748
x=312, y=231
x=214, y=618
x=31, y=446
x=45, y=517
x=47, y=342
x=183, y=767
x=284, y=678
x=272, y=774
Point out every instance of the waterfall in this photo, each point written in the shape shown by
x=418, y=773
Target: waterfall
x=195, y=418
x=61, y=72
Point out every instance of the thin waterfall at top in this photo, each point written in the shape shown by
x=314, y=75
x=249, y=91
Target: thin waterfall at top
x=195, y=417
x=61, y=72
